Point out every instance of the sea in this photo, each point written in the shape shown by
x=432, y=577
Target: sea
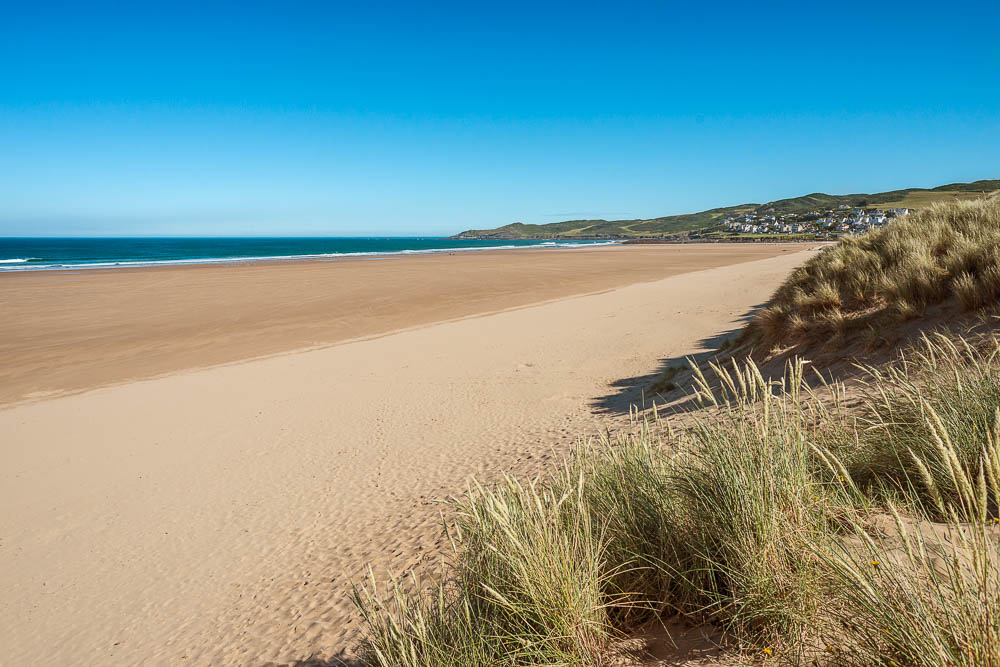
x=41, y=254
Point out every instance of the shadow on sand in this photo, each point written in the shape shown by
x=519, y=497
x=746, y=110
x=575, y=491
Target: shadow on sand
x=637, y=391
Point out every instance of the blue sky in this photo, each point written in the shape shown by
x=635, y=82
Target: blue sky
x=382, y=118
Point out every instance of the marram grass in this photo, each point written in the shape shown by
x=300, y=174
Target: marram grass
x=926, y=591
x=941, y=393
x=808, y=533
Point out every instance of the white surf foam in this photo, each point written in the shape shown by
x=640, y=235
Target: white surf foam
x=20, y=264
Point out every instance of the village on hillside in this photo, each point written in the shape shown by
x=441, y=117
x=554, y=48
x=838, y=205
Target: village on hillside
x=829, y=223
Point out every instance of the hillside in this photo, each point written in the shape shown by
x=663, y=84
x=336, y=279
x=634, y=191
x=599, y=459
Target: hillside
x=676, y=224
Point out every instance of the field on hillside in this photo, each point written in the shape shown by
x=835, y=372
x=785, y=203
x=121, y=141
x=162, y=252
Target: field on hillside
x=924, y=198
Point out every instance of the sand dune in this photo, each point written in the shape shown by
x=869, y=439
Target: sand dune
x=217, y=516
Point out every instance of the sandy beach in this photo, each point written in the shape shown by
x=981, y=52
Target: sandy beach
x=67, y=331
x=196, y=462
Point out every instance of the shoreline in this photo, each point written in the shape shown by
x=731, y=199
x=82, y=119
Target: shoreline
x=219, y=516
x=7, y=266
x=11, y=265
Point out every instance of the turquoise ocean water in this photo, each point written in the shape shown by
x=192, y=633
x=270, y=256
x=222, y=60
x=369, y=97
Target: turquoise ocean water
x=27, y=254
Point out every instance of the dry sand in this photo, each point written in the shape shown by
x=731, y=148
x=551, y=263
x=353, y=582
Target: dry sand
x=217, y=516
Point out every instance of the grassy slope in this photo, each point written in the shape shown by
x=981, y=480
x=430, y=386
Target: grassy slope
x=579, y=228
x=948, y=251
x=674, y=224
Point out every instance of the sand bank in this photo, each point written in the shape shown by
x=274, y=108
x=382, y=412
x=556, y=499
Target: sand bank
x=217, y=516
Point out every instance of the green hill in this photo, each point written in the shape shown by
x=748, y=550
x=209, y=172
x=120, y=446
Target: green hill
x=678, y=224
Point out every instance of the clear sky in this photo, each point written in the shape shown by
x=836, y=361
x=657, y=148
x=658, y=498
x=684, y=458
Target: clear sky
x=363, y=118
